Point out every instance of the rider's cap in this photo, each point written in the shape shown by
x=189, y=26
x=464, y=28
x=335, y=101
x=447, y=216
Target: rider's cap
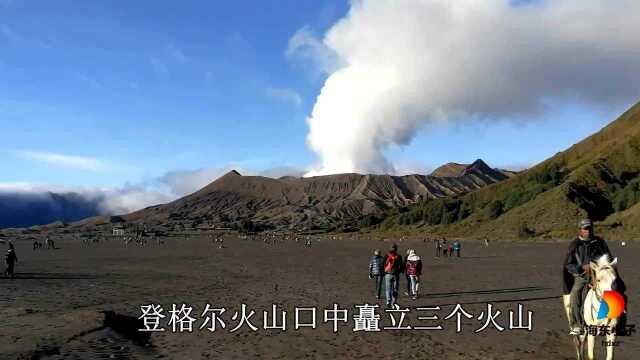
x=585, y=223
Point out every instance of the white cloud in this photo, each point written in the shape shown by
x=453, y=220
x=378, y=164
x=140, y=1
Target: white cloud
x=130, y=199
x=185, y=182
x=280, y=171
x=33, y=187
x=158, y=66
x=409, y=63
x=304, y=47
x=17, y=187
x=177, y=54
x=13, y=37
x=18, y=40
x=284, y=95
x=410, y=167
x=69, y=161
x=92, y=82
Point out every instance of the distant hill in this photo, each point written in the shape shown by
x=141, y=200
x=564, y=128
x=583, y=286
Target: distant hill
x=21, y=209
x=599, y=177
x=477, y=168
x=322, y=202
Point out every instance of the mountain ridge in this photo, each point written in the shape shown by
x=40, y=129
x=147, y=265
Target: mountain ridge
x=320, y=202
x=598, y=177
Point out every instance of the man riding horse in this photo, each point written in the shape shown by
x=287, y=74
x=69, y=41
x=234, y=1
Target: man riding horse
x=582, y=251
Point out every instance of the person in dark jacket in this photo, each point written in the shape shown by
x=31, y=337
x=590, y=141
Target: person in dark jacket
x=582, y=251
x=393, y=267
x=11, y=259
x=376, y=271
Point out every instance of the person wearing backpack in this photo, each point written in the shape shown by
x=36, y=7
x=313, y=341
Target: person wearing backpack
x=393, y=267
x=406, y=276
x=376, y=271
x=413, y=269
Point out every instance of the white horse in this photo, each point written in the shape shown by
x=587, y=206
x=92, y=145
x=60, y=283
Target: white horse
x=604, y=277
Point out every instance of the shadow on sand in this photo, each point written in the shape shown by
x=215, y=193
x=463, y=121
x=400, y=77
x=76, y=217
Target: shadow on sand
x=462, y=258
x=483, y=292
x=502, y=301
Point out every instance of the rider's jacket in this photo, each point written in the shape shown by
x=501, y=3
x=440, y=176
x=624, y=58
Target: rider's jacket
x=582, y=252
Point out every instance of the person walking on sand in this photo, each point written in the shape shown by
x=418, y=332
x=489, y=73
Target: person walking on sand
x=450, y=250
x=406, y=276
x=438, y=248
x=10, y=259
x=456, y=247
x=445, y=247
x=376, y=271
x=413, y=269
x=393, y=267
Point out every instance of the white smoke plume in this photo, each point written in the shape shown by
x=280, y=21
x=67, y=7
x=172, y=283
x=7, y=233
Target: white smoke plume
x=407, y=63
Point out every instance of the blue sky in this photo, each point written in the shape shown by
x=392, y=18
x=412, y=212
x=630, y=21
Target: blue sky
x=151, y=87
x=114, y=93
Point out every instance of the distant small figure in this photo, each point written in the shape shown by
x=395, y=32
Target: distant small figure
x=450, y=250
x=438, y=247
x=456, y=247
x=623, y=244
x=10, y=259
x=413, y=269
x=486, y=242
x=376, y=271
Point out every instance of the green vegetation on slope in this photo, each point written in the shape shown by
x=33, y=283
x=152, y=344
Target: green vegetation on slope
x=446, y=211
x=598, y=177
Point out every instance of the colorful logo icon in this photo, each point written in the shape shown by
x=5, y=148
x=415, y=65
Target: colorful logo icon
x=612, y=305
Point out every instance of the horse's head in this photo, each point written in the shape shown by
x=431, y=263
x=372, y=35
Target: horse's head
x=605, y=273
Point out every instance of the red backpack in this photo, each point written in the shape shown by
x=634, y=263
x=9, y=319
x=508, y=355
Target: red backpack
x=390, y=263
x=412, y=268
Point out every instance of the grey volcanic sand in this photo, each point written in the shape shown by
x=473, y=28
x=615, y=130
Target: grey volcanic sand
x=52, y=309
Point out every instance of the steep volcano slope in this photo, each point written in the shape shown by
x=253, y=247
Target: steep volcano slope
x=598, y=177
x=316, y=202
x=475, y=169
